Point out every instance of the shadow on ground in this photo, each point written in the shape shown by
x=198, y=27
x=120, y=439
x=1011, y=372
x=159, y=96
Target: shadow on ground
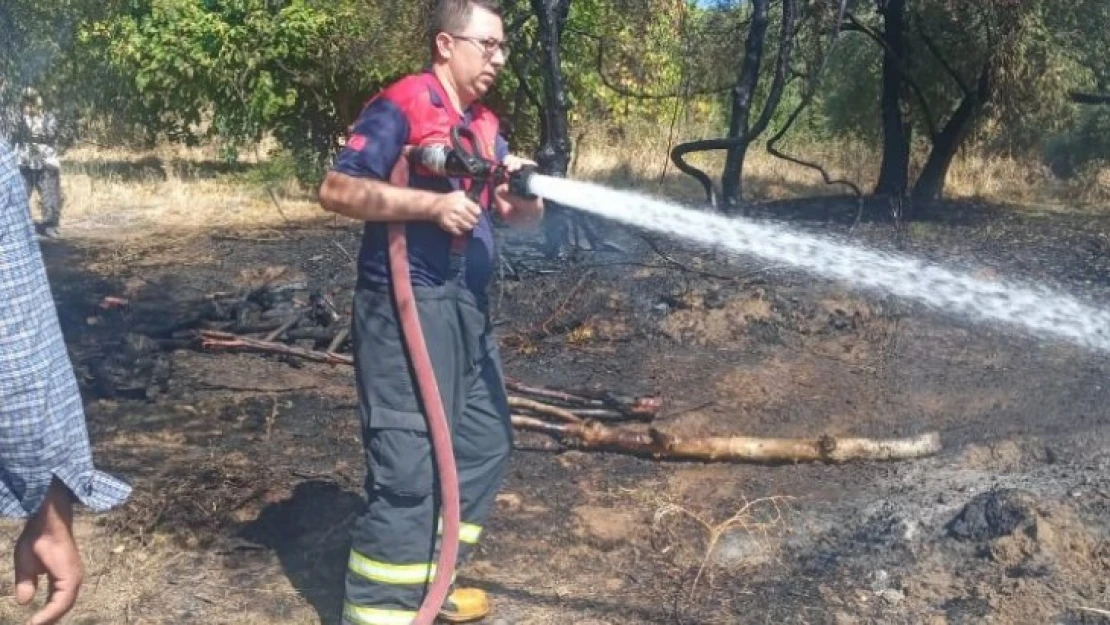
x=310, y=533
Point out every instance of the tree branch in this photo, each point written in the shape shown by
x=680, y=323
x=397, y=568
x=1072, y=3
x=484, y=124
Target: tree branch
x=814, y=80
x=786, y=48
x=639, y=95
x=929, y=43
x=860, y=27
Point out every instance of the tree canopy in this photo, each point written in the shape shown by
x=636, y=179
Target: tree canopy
x=928, y=76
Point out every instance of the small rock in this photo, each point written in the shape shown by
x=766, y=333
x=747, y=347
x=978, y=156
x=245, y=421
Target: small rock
x=511, y=501
x=880, y=581
x=843, y=618
x=993, y=514
x=1076, y=493
x=892, y=596
x=606, y=526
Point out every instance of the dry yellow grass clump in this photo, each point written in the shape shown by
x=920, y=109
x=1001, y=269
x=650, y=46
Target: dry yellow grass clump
x=113, y=192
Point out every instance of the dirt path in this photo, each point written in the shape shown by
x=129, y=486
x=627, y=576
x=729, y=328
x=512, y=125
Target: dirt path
x=247, y=468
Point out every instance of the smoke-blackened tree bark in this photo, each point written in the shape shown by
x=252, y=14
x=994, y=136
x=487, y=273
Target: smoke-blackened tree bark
x=930, y=184
x=894, y=170
x=553, y=156
x=742, y=94
x=741, y=131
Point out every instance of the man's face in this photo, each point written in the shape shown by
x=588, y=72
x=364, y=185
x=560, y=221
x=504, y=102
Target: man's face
x=476, y=54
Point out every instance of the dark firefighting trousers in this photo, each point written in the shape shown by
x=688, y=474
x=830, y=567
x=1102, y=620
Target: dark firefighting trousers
x=394, y=544
x=48, y=182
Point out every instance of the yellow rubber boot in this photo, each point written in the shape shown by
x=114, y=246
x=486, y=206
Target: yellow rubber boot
x=464, y=605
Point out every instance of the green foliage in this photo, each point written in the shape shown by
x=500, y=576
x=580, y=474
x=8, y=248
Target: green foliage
x=234, y=70
x=1087, y=144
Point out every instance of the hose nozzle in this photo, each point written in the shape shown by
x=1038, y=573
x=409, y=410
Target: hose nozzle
x=520, y=182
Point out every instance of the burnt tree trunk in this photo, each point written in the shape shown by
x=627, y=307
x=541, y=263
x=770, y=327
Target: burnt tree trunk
x=553, y=156
x=930, y=184
x=894, y=170
x=742, y=94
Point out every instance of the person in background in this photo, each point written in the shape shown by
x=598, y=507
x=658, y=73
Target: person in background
x=45, y=458
x=35, y=138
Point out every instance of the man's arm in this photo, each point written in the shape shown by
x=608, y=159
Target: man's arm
x=357, y=186
x=45, y=458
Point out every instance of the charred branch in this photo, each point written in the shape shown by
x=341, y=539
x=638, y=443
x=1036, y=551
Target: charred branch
x=930, y=183
x=813, y=81
x=212, y=339
x=741, y=131
x=577, y=422
x=609, y=83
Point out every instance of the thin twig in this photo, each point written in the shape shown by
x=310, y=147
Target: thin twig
x=284, y=327
x=563, y=304
x=544, y=409
x=677, y=265
x=277, y=204
x=339, y=338
x=349, y=256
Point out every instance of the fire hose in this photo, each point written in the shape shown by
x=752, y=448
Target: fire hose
x=452, y=161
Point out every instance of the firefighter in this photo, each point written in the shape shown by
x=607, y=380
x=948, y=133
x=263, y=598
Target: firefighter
x=394, y=551
x=35, y=139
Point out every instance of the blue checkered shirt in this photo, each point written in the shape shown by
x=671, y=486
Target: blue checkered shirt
x=42, y=420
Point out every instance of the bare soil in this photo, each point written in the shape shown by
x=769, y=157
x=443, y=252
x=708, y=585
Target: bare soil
x=247, y=468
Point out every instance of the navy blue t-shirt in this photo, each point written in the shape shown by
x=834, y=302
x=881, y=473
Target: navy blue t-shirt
x=415, y=106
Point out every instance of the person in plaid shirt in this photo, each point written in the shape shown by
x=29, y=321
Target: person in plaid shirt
x=45, y=459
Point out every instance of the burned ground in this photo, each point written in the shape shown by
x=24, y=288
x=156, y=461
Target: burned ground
x=247, y=467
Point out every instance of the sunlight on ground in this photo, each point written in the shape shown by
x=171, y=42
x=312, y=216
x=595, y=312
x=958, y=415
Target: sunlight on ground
x=113, y=192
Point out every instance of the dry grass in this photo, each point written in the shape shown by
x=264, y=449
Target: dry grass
x=640, y=159
x=113, y=193
x=132, y=582
x=171, y=189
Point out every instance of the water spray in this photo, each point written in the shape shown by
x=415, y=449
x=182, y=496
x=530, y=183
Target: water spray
x=1037, y=309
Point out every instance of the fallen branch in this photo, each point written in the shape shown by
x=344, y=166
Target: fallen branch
x=293, y=320
x=580, y=402
x=550, y=393
x=210, y=338
x=340, y=336
x=657, y=445
x=583, y=432
x=545, y=409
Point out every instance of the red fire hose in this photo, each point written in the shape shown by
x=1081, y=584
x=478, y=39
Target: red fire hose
x=434, y=413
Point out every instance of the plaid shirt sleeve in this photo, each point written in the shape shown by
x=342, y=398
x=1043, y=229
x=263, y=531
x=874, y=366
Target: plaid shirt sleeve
x=42, y=420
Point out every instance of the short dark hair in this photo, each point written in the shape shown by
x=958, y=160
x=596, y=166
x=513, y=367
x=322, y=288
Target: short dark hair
x=450, y=16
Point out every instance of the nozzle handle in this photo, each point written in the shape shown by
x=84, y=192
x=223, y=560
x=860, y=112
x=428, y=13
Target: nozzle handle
x=520, y=182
